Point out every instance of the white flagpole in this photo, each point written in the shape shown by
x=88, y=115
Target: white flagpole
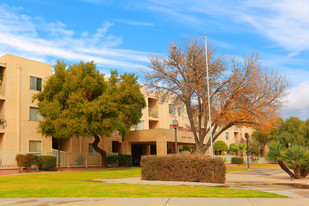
x=209, y=113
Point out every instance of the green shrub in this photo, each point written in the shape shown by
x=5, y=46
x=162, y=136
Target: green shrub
x=26, y=160
x=220, y=146
x=125, y=160
x=237, y=160
x=80, y=160
x=46, y=163
x=188, y=168
x=112, y=160
x=233, y=147
x=254, y=149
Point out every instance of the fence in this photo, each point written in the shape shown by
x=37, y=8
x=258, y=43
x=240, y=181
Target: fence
x=229, y=157
x=67, y=159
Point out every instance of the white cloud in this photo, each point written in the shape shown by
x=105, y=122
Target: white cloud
x=298, y=102
x=33, y=37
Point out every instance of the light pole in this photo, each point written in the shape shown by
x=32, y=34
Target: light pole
x=175, y=125
x=209, y=113
x=247, y=137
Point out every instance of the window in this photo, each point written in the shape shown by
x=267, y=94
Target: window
x=36, y=83
x=35, y=146
x=34, y=114
x=179, y=111
x=171, y=108
x=140, y=125
x=90, y=149
x=227, y=136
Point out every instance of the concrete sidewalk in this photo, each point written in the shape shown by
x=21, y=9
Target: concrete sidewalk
x=153, y=201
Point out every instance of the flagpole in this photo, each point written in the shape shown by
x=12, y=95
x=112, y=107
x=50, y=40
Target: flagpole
x=209, y=113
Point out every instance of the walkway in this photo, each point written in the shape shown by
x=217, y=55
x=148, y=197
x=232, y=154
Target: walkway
x=153, y=202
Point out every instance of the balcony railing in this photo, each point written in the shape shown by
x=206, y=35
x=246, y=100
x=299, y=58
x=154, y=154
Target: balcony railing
x=153, y=113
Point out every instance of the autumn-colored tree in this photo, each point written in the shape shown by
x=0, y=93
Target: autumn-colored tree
x=77, y=101
x=263, y=136
x=241, y=93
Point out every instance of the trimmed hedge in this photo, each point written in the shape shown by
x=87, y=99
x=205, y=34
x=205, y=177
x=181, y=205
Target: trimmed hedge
x=125, y=160
x=46, y=163
x=237, y=160
x=187, y=168
x=121, y=160
x=112, y=160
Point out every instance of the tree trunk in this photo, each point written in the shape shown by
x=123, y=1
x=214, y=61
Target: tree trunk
x=297, y=172
x=285, y=168
x=304, y=173
x=99, y=150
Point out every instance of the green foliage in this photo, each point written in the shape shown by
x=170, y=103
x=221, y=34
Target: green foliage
x=233, y=147
x=125, y=160
x=220, y=146
x=297, y=158
x=46, y=162
x=121, y=160
x=241, y=147
x=188, y=168
x=237, y=160
x=188, y=148
x=26, y=160
x=275, y=148
x=77, y=101
x=254, y=149
x=294, y=131
x=112, y=160
x=263, y=137
x=80, y=159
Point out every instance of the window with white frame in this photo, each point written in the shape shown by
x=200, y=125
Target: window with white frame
x=227, y=136
x=36, y=83
x=34, y=114
x=35, y=146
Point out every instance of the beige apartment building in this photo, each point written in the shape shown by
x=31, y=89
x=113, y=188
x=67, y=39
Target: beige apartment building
x=21, y=78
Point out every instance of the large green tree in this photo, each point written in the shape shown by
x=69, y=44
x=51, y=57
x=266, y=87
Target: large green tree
x=294, y=131
x=77, y=101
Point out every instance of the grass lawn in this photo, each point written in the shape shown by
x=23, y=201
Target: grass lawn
x=75, y=184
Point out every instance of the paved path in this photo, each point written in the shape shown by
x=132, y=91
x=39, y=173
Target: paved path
x=153, y=202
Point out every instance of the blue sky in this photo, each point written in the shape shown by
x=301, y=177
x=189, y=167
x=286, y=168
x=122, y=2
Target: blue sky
x=123, y=34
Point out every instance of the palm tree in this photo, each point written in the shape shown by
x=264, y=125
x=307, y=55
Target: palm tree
x=274, y=154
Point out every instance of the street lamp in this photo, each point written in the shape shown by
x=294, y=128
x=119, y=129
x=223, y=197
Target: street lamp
x=175, y=125
x=247, y=137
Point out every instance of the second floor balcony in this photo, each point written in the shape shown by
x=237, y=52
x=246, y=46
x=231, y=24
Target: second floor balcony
x=153, y=113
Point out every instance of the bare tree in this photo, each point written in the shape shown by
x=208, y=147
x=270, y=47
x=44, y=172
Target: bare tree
x=241, y=93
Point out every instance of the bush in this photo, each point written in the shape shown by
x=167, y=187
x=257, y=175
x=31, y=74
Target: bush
x=188, y=168
x=125, y=160
x=112, y=160
x=80, y=160
x=254, y=149
x=233, y=147
x=237, y=160
x=220, y=146
x=46, y=163
x=121, y=160
x=26, y=160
